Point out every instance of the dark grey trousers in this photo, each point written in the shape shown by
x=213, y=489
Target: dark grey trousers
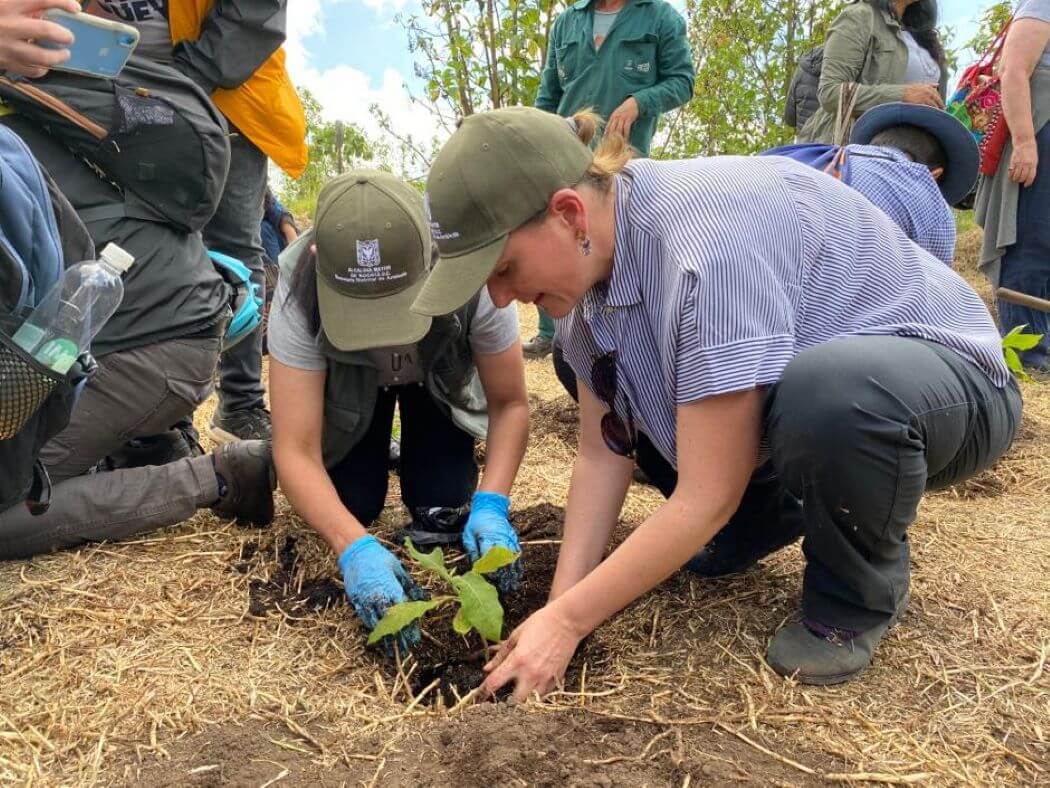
x=135, y=393
x=235, y=229
x=859, y=429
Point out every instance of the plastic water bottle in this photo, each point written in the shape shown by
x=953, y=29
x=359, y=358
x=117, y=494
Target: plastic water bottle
x=67, y=319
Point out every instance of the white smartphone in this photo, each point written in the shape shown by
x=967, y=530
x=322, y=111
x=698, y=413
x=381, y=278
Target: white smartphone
x=101, y=47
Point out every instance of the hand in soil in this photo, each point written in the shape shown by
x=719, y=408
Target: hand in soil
x=534, y=657
x=488, y=527
x=374, y=580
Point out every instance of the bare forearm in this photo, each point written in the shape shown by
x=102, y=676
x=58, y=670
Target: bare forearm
x=650, y=555
x=505, y=446
x=596, y=496
x=309, y=489
x=1017, y=105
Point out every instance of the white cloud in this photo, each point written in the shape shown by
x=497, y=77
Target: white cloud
x=346, y=93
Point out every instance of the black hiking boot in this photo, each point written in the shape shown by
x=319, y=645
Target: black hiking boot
x=252, y=424
x=812, y=653
x=180, y=442
x=435, y=525
x=246, y=482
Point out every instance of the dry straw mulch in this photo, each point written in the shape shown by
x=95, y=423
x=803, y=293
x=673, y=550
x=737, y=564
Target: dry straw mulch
x=146, y=662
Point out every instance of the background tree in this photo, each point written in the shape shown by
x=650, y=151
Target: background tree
x=745, y=53
x=992, y=21
x=334, y=147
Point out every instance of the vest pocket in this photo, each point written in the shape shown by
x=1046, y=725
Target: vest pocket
x=636, y=60
x=341, y=430
x=568, y=67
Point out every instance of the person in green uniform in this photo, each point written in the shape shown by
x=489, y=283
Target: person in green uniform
x=630, y=61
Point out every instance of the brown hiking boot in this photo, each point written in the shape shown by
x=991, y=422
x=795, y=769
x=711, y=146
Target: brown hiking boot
x=247, y=480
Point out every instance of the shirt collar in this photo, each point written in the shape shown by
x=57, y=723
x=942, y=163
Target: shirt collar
x=624, y=286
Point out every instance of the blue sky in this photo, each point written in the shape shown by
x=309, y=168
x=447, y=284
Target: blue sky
x=352, y=53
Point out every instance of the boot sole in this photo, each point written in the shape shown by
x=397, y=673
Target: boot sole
x=842, y=678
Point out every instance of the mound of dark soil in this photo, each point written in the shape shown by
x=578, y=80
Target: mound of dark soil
x=284, y=590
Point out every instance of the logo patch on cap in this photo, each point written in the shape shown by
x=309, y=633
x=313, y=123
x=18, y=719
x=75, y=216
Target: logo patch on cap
x=368, y=253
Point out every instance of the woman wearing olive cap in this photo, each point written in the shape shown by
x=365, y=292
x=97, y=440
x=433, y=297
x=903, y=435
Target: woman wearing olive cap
x=345, y=349
x=807, y=369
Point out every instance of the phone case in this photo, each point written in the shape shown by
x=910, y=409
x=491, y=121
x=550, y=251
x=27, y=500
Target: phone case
x=101, y=47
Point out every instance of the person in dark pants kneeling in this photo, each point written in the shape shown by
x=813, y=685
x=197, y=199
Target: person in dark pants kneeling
x=345, y=349
x=801, y=364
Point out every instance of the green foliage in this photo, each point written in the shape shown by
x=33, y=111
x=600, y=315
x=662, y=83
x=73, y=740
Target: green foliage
x=478, y=605
x=402, y=615
x=745, y=52
x=331, y=151
x=480, y=55
x=496, y=558
x=992, y=21
x=1016, y=342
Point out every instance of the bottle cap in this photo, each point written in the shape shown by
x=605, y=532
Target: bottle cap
x=117, y=257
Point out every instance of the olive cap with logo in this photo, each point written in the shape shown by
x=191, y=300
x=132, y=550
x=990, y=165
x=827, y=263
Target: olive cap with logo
x=373, y=253
x=495, y=173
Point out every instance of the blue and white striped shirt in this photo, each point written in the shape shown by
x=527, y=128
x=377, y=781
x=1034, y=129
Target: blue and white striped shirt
x=906, y=192
x=726, y=268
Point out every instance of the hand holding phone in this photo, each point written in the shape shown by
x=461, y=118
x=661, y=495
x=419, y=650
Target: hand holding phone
x=22, y=31
x=101, y=47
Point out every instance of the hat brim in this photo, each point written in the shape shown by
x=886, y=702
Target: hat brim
x=455, y=280
x=363, y=323
x=960, y=148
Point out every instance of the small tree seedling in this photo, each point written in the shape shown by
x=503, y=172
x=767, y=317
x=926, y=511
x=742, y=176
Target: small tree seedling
x=478, y=605
x=1016, y=342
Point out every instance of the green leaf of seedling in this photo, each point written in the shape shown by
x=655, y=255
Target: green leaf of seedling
x=1021, y=341
x=460, y=623
x=401, y=615
x=479, y=604
x=495, y=558
x=434, y=560
x=1013, y=361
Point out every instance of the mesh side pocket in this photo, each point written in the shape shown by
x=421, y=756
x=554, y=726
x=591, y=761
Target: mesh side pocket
x=24, y=386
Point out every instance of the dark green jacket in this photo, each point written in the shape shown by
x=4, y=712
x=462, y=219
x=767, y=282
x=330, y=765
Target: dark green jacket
x=863, y=45
x=645, y=55
x=450, y=376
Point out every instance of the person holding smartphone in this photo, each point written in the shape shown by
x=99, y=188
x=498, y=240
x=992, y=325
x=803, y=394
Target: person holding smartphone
x=21, y=30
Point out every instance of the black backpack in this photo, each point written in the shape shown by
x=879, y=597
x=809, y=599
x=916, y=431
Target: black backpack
x=151, y=130
x=802, y=98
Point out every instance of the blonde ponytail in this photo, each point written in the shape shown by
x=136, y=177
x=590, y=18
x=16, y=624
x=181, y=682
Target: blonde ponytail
x=611, y=155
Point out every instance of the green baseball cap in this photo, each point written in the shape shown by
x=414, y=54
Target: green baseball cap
x=373, y=252
x=497, y=171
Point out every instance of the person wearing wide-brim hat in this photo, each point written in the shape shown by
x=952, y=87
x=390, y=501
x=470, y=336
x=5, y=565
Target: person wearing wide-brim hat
x=807, y=369
x=913, y=162
x=345, y=350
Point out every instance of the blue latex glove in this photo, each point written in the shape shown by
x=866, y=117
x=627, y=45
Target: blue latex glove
x=375, y=580
x=487, y=527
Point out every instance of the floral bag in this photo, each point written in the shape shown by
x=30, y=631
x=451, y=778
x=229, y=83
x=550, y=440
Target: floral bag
x=978, y=104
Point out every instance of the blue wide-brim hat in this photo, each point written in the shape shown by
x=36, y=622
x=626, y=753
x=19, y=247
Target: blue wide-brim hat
x=960, y=148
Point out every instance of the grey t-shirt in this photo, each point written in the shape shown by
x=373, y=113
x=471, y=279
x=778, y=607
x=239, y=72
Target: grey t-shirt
x=291, y=342
x=1036, y=9
x=603, y=22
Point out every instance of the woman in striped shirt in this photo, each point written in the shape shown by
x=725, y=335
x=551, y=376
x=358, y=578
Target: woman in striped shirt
x=807, y=369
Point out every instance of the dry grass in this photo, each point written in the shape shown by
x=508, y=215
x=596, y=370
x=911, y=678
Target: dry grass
x=139, y=662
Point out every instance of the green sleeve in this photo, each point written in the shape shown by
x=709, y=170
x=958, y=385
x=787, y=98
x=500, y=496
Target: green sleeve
x=675, y=74
x=549, y=96
x=845, y=51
